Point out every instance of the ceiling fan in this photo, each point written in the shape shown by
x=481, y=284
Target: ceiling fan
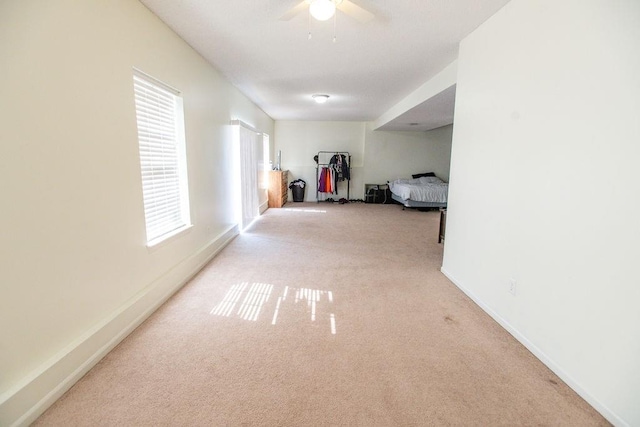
x=325, y=9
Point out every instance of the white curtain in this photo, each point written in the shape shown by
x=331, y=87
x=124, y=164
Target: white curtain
x=249, y=142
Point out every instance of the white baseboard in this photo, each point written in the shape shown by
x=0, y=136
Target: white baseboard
x=26, y=401
x=263, y=207
x=599, y=406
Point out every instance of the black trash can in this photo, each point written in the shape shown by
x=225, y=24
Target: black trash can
x=297, y=190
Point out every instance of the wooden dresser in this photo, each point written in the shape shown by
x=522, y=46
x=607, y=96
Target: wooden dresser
x=278, y=188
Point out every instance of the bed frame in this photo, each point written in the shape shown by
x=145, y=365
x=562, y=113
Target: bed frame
x=414, y=204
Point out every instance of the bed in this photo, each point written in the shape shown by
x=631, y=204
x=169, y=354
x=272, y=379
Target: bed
x=422, y=192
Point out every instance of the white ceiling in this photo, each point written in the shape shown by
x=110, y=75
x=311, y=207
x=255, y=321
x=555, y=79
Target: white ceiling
x=369, y=69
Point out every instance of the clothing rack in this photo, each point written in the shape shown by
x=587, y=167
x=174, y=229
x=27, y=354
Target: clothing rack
x=323, y=160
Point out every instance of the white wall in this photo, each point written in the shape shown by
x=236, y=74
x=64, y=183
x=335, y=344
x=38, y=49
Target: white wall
x=393, y=155
x=377, y=156
x=76, y=275
x=545, y=190
x=299, y=141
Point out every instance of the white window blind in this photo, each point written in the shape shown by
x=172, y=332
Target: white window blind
x=162, y=157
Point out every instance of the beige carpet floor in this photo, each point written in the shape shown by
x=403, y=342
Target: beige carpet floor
x=323, y=314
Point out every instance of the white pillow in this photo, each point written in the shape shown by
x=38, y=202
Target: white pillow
x=429, y=180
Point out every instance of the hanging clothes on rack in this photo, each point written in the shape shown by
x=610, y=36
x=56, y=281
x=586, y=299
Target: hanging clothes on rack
x=326, y=182
x=322, y=181
x=332, y=168
x=340, y=164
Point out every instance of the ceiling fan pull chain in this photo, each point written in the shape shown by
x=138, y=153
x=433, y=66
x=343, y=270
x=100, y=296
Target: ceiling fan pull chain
x=309, y=38
x=335, y=19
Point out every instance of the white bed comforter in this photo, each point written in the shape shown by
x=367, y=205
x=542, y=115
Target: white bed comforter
x=425, y=189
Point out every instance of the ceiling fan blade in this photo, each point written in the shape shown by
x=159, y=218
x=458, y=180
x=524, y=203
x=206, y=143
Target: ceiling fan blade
x=294, y=11
x=356, y=12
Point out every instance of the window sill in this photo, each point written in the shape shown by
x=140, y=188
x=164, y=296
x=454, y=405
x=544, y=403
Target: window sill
x=167, y=238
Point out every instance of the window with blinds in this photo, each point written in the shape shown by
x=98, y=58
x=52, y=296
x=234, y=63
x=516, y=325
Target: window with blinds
x=162, y=157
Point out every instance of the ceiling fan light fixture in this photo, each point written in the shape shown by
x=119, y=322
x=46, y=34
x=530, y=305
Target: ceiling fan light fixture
x=322, y=9
x=320, y=98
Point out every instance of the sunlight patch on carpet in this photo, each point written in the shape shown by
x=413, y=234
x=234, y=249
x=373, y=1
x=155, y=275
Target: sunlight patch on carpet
x=225, y=307
x=256, y=298
x=304, y=210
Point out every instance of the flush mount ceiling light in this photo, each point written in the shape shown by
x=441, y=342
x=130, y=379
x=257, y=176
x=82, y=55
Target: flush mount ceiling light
x=322, y=10
x=320, y=98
